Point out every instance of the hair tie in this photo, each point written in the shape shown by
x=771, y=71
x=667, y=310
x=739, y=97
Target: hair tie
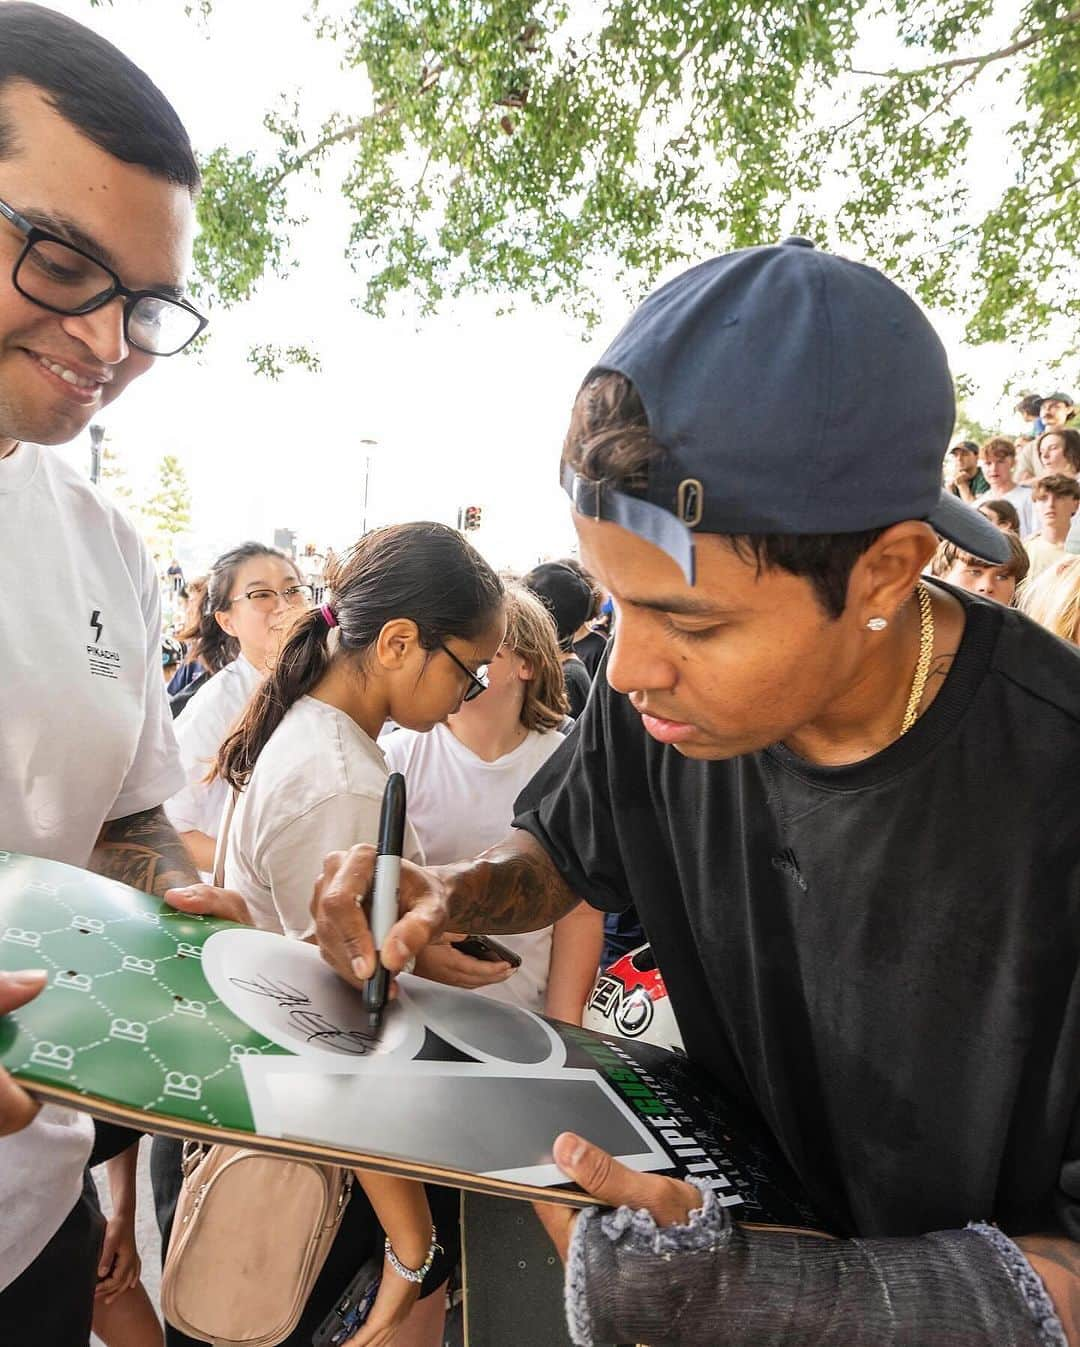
x=329, y=616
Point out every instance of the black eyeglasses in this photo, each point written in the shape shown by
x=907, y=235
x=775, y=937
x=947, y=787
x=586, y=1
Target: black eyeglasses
x=265, y=600
x=478, y=681
x=62, y=278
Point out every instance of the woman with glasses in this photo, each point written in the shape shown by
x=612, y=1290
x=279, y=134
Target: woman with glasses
x=251, y=592
x=415, y=618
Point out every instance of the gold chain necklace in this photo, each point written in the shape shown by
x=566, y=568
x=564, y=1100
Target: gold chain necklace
x=926, y=650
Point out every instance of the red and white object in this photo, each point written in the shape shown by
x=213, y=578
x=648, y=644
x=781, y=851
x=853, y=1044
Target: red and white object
x=630, y=999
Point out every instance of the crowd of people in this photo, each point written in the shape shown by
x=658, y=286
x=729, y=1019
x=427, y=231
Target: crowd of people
x=1029, y=486
x=751, y=722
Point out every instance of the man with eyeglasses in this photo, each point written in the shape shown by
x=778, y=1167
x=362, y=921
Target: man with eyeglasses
x=97, y=180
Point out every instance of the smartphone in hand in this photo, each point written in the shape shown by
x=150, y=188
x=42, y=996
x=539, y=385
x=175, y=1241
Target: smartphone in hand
x=490, y=951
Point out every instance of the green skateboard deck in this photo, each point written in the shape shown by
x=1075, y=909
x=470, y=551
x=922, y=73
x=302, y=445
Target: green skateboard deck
x=202, y=1028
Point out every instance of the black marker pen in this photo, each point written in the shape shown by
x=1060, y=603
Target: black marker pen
x=384, y=890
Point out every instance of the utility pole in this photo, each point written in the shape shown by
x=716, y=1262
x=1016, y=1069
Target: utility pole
x=367, y=482
x=97, y=434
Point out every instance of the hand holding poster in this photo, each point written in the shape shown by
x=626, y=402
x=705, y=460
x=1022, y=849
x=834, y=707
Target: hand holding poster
x=202, y=1028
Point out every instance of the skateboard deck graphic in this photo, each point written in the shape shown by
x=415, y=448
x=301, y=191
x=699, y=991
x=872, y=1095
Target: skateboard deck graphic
x=513, y=1279
x=202, y=1028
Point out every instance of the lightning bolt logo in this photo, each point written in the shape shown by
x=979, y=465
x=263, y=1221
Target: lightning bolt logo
x=95, y=623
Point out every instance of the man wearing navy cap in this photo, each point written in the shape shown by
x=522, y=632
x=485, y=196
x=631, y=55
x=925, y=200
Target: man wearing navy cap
x=777, y=772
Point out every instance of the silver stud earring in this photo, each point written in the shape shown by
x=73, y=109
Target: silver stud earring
x=877, y=623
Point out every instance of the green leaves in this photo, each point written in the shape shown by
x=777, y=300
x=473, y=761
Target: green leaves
x=242, y=226
x=538, y=149
x=167, y=513
x=272, y=361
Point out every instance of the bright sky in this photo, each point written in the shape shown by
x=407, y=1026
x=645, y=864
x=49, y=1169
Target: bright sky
x=467, y=408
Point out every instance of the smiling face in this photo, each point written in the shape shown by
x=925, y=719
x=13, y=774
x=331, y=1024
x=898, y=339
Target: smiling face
x=257, y=627
x=57, y=372
x=737, y=661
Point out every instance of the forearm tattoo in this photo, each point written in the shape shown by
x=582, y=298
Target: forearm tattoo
x=144, y=851
x=512, y=887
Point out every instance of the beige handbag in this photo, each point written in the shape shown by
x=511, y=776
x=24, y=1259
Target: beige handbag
x=249, y=1238
x=250, y=1234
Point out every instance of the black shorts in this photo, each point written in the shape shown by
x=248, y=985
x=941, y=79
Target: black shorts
x=52, y=1302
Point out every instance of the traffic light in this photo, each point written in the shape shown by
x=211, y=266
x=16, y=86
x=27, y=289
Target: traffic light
x=471, y=518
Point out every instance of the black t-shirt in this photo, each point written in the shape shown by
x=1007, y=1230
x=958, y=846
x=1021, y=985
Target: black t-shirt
x=179, y=700
x=590, y=650
x=884, y=958
x=578, y=683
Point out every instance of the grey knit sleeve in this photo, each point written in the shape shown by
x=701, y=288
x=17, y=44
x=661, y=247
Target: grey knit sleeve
x=711, y=1281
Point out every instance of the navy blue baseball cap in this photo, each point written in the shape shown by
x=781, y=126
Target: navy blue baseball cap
x=795, y=393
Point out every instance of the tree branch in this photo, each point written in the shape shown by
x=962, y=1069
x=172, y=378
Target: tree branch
x=948, y=96
x=1051, y=30
x=349, y=132
x=428, y=81
x=978, y=62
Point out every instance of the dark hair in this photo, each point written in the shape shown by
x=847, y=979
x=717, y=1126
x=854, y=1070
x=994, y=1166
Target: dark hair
x=947, y=554
x=1029, y=404
x=597, y=592
x=194, y=596
x=96, y=88
x=566, y=594
x=609, y=441
x=1056, y=484
x=425, y=572
x=1003, y=510
x=1071, y=436
x=211, y=644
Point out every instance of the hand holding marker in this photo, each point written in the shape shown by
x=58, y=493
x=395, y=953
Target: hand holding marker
x=384, y=890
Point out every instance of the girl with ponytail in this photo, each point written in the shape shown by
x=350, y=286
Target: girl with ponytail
x=250, y=592
x=415, y=616
x=462, y=781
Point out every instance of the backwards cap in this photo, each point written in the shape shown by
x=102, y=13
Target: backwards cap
x=819, y=339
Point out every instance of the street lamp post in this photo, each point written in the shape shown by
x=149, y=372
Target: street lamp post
x=367, y=482
x=97, y=434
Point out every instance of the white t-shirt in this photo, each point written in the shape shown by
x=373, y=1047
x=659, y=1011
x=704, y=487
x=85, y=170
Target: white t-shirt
x=85, y=736
x=200, y=732
x=1042, y=555
x=317, y=787
x=460, y=805
x=1020, y=498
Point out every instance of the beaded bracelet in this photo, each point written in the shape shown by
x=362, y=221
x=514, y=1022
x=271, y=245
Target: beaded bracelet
x=412, y=1274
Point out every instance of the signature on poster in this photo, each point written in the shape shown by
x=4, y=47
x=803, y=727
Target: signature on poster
x=311, y=1024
